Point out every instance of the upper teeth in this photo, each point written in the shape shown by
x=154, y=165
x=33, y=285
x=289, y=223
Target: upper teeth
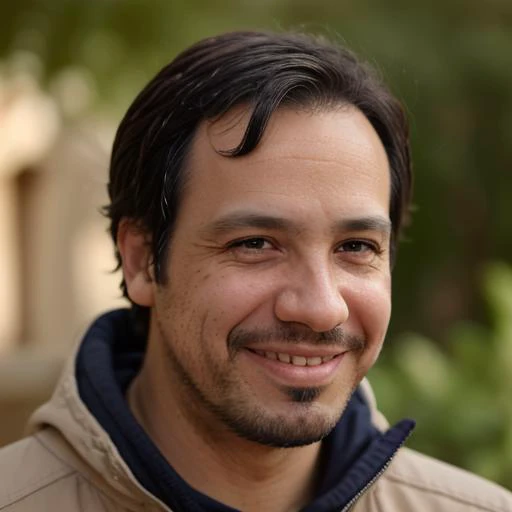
x=295, y=360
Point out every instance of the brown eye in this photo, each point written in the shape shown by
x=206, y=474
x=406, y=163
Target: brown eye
x=255, y=244
x=253, y=249
x=357, y=246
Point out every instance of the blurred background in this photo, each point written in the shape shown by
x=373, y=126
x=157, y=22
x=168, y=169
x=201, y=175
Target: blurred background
x=69, y=70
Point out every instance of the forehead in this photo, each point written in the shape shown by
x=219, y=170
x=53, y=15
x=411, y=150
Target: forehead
x=323, y=159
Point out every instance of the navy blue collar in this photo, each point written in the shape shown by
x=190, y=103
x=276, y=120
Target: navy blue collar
x=110, y=356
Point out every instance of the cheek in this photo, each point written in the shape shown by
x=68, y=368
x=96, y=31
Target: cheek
x=232, y=297
x=371, y=312
x=372, y=306
x=378, y=311
x=202, y=309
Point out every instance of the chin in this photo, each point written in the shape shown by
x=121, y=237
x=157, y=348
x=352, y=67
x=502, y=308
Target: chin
x=299, y=422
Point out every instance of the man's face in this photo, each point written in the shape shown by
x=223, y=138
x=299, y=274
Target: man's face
x=278, y=291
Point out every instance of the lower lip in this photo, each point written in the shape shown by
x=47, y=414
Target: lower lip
x=301, y=376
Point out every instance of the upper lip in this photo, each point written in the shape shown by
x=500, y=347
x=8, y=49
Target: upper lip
x=299, y=350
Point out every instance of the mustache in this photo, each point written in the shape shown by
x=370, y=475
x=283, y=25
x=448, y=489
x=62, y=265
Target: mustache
x=239, y=337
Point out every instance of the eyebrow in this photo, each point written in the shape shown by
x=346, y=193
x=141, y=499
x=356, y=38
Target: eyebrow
x=374, y=223
x=246, y=219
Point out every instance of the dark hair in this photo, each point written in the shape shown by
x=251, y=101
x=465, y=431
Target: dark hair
x=264, y=71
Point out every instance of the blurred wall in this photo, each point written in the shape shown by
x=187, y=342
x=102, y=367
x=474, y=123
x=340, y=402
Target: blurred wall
x=56, y=260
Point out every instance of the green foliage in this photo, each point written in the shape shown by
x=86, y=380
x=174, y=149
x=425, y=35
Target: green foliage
x=461, y=397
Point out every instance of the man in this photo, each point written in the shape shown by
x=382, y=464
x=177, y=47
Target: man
x=258, y=187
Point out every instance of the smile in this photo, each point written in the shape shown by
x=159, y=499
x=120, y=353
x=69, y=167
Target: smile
x=304, y=367
x=293, y=359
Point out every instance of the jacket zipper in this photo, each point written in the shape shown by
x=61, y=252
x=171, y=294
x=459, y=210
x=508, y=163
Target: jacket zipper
x=352, y=502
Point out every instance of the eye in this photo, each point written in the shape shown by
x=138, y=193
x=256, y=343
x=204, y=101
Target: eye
x=251, y=244
x=255, y=249
x=359, y=252
x=358, y=246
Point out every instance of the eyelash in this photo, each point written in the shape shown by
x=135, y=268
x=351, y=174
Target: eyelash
x=239, y=244
x=373, y=247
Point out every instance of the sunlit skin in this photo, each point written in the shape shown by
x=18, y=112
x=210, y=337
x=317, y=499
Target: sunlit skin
x=285, y=250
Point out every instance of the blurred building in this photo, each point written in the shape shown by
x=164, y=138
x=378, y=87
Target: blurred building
x=56, y=259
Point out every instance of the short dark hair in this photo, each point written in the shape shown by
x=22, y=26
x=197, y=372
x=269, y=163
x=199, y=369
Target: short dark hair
x=264, y=71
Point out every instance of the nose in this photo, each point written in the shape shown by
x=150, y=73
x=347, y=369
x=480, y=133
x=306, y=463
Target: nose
x=312, y=297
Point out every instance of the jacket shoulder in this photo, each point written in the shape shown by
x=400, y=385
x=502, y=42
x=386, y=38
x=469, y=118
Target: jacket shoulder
x=27, y=467
x=34, y=477
x=421, y=483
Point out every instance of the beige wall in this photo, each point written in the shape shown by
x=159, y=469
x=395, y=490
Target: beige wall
x=55, y=255
x=10, y=314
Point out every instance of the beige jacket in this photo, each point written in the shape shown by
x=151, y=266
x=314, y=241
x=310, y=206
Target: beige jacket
x=69, y=464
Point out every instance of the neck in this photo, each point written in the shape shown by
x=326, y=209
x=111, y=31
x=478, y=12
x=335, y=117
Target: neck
x=215, y=461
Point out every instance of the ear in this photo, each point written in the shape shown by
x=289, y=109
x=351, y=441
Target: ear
x=134, y=247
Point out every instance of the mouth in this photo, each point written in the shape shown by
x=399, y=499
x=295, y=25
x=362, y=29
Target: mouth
x=303, y=368
x=295, y=360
